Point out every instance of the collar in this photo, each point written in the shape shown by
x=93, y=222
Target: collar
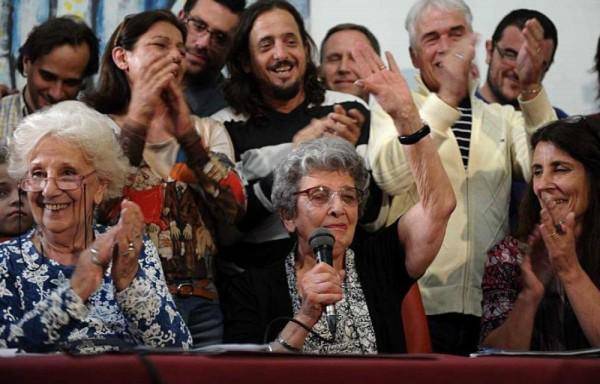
x=422, y=89
x=24, y=108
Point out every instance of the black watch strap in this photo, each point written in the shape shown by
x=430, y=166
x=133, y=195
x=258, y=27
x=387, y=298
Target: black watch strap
x=415, y=137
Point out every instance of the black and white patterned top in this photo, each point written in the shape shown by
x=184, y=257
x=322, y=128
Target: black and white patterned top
x=40, y=312
x=462, y=129
x=355, y=332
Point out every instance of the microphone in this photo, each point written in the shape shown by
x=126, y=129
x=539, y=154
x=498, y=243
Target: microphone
x=321, y=241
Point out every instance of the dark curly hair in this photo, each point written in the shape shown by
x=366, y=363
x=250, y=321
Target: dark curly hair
x=241, y=90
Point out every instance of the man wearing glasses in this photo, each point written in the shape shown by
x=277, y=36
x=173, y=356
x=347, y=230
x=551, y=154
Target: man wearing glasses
x=502, y=82
x=210, y=25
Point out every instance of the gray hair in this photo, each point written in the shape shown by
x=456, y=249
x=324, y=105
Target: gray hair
x=325, y=154
x=419, y=8
x=77, y=124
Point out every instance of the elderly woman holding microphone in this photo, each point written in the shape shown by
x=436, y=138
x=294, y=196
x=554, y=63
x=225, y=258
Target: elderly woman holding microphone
x=319, y=191
x=67, y=283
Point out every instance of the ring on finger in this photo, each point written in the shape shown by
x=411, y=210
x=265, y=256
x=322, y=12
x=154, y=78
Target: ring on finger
x=459, y=55
x=95, y=253
x=382, y=67
x=130, y=247
x=554, y=235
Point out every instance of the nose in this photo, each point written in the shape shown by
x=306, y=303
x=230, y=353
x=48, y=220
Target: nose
x=542, y=182
x=344, y=66
x=176, y=55
x=280, y=50
x=14, y=198
x=57, y=91
x=202, y=40
x=50, y=188
x=336, y=206
x=444, y=43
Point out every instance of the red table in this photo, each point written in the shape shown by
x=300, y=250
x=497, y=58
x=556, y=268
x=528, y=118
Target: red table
x=261, y=368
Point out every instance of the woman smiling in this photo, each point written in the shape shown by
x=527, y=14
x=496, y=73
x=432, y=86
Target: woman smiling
x=541, y=290
x=67, y=283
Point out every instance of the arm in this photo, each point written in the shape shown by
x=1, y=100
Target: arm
x=149, y=310
x=582, y=293
x=29, y=322
x=423, y=227
x=508, y=314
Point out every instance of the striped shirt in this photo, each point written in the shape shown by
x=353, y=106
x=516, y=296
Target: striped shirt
x=462, y=130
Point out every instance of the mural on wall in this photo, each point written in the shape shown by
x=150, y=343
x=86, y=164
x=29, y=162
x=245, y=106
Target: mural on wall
x=18, y=17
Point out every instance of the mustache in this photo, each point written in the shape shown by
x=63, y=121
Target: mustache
x=280, y=63
x=198, y=51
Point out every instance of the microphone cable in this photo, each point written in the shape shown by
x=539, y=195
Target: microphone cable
x=301, y=324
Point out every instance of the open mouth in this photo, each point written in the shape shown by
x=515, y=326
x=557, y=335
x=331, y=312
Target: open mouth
x=55, y=207
x=282, y=68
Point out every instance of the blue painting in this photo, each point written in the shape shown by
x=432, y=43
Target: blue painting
x=18, y=17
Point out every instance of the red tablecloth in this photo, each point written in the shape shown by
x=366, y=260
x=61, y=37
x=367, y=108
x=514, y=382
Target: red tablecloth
x=236, y=368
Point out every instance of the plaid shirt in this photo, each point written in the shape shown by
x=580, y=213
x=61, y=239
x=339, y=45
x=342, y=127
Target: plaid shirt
x=12, y=110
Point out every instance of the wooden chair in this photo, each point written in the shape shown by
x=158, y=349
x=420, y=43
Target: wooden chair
x=416, y=330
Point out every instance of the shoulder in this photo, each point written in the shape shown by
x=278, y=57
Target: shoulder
x=333, y=97
x=507, y=251
x=10, y=101
x=227, y=114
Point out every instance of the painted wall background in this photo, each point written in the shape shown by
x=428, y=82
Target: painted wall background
x=18, y=17
x=571, y=84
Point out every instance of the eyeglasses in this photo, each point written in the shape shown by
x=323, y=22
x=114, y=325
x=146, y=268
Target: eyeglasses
x=510, y=55
x=199, y=27
x=507, y=54
x=64, y=183
x=321, y=195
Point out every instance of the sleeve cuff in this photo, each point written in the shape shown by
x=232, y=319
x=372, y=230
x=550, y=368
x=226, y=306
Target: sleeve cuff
x=439, y=115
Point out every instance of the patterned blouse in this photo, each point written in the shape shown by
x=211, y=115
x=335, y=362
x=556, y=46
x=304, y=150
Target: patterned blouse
x=555, y=328
x=40, y=312
x=354, y=333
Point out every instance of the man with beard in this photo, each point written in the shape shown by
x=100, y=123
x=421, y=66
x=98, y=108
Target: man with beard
x=276, y=101
x=56, y=58
x=502, y=82
x=210, y=25
x=482, y=146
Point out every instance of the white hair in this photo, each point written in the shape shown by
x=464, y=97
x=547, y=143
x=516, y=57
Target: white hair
x=76, y=123
x=419, y=8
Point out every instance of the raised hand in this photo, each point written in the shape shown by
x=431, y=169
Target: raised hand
x=347, y=125
x=92, y=264
x=530, y=61
x=536, y=270
x=318, y=287
x=127, y=244
x=387, y=86
x=455, y=69
x=559, y=238
x=177, y=111
x=148, y=89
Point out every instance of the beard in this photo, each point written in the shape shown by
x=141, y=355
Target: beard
x=285, y=93
x=497, y=92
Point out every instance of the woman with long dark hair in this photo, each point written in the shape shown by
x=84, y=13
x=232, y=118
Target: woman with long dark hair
x=541, y=289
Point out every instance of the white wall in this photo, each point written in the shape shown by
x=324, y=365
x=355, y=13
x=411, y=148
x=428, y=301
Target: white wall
x=569, y=81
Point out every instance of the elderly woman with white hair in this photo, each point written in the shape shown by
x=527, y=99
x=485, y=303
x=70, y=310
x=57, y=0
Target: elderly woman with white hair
x=67, y=283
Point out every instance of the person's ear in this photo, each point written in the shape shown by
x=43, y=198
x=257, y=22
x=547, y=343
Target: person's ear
x=489, y=51
x=288, y=223
x=119, y=56
x=26, y=65
x=99, y=194
x=413, y=57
